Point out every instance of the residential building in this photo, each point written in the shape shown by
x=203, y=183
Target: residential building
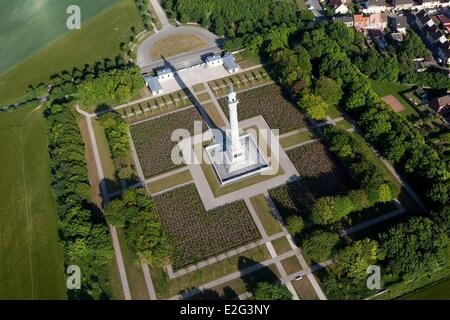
x=347, y=20
x=434, y=35
x=339, y=6
x=445, y=22
x=402, y=4
x=440, y=104
x=373, y=6
x=165, y=73
x=370, y=22
x=444, y=52
x=429, y=4
x=398, y=23
x=423, y=20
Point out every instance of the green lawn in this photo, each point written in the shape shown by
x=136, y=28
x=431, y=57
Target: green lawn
x=31, y=261
x=265, y=214
x=297, y=138
x=439, y=291
x=170, y=181
x=98, y=38
x=385, y=89
x=133, y=269
x=166, y=288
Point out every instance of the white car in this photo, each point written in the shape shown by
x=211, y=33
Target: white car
x=297, y=278
x=310, y=8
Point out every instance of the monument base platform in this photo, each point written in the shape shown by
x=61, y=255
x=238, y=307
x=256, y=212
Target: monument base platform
x=253, y=162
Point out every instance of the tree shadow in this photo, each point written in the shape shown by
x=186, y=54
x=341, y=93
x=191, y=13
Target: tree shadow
x=253, y=272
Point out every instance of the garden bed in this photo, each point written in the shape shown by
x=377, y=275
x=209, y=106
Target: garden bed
x=196, y=234
x=152, y=140
x=321, y=175
x=269, y=102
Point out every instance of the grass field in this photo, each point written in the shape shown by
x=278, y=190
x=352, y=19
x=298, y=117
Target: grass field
x=99, y=38
x=31, y=261
x=176, y=44
x=386, y=89
x=32, y=25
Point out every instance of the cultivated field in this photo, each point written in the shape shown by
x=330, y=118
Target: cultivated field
x=31, y=261
x=27, y=32
x=99, y=38
x=321, y=175
x=269, y=102
x=152, y=140
x=196, y=234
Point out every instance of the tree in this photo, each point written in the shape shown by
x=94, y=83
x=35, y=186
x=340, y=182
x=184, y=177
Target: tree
x=418, y=246
x=268, y=291
x=315, y=107
x=353, y=260
x=294, y=225
x=329, y=90
x=319, y=244
x=323, y=211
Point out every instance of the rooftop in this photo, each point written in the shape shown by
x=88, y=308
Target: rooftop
x=153, y=83
x=228, y=61
x=164, y=71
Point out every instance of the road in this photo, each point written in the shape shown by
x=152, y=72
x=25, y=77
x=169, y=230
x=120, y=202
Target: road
x=147, y=63
x=160, y=13
x=101, y=177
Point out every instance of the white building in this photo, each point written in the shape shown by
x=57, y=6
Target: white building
x=229, y=63
x=164, y=74
x=153, y=84
x=213, y=61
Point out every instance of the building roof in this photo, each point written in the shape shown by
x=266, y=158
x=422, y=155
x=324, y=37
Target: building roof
x=377, y=3
x=398, y=21
x=444, y=48
x=213, y=57
x=335, y=3
x=444, y=19
x=377, y=18
x=434, y=33
x=153, y=83
x=402, y=2
x=164, y=71
x=361, y=20
x=441, y=102
x=228, y=61
x=423, y=17
x=343, y=19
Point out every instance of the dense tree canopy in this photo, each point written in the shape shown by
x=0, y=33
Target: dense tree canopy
x=135, y=213
x=416, y=247
x=319, y=245
x=115, y=86
x=354, y=260
x=269, y=291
